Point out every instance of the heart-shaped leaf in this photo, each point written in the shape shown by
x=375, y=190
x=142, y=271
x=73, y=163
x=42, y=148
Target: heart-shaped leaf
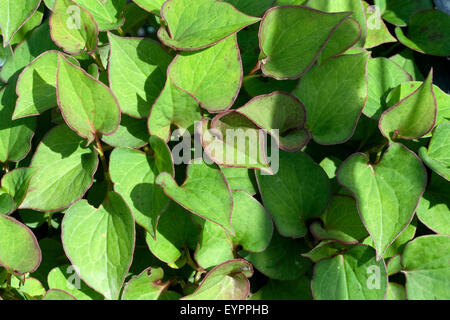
x=282, y=112
x=227, y=281
x=434, y=207
x=133, y=173
x=19, y=249
x=412, y=117
x=304, y=32
x=146, y=286
x=190, y=27
x=58, y=295
x=14, y=15
x=100, y=242
x=64, y=171
x=232, y=140
x=173, y=107
x=40, y=76
x=137, y=73
x=333, y=108
x=353, y=275
x=107, y=13
x=205, y=192
x=387, y=193
x=437, y=156
x=220, y=65
x=73, y=28
x=427, y=33
x=300, y=190
x=427, y=268
x=87, y=105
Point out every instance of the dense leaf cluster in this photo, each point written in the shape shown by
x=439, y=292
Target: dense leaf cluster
x=116, y=179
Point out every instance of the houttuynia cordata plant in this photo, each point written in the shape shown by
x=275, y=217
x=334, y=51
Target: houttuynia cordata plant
x=234, y=149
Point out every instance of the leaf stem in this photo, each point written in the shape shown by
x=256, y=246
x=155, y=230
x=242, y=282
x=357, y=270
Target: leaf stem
x=101, y=153
x=98, y=61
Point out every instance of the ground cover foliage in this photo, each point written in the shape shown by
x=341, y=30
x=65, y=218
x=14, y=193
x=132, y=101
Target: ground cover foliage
x=117, y=119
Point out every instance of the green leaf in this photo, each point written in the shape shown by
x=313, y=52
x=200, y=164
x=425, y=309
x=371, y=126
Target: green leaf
x=434, y=207
x=227, y=281
x=405, y=59
x=6, y=203
x=240, y=179
x=427, y=33
x=335, y=106
x=14, y=15
x=250, y=7
x=15, y=135
x=355, y=6
x=16, y=184
x=107, y=13
x=442, y=99
x=58, y=295
x=324, y=250
x=173, y=107
x=251, y=222
x=214, y=246
x=299, y=289
x=282, y=112
x=190, y=26
x=87, y=105
x=131, y=133
x=205, y=192
x=146, y=286
x=153, y=6
x=399, y=12
x=412, y=117
x=175, y=232
x=73, y=28
x=25, y=52
x=25, y=30
x=137, y=73
x=100, y=242
x=40, y=76
x=64, y=171
x=353, y=275
x=345, y=36
x=65, y=278
x=299, y=191
x=377, y=32
x=387, y=193
x=220, y=65
x=133, y=174
x=282, y=260
x=292, y=38
x=31, y=288
x=19, y=249
x=383, y=75
x=427, y=268
x=341, y=222
x=437, y=156
x=394, y=265
x=232, y=140
x=395, y=292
